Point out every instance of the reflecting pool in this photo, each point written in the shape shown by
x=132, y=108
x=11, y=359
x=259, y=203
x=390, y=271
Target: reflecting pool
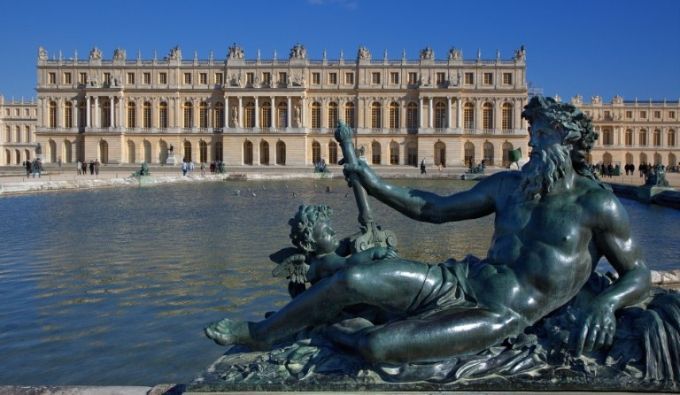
x=114, y=286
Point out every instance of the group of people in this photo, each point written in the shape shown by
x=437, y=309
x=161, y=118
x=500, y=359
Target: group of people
x=93, y=166
x=33, y=167
x=609, y=170
x=216, y=166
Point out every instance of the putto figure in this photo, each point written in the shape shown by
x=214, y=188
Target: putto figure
x=553, y=222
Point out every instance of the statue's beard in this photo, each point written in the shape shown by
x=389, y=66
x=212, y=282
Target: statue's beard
x=545, y=167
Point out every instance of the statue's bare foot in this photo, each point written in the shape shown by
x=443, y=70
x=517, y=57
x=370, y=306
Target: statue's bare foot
x=347, y=332
x=227, y=332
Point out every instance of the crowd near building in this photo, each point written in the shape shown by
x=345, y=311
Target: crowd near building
x=453, y=111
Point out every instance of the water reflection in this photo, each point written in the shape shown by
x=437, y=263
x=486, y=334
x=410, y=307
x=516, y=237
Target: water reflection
x=114, y=286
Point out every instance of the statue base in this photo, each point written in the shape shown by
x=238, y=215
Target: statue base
x=643, y=358
x=171, y=160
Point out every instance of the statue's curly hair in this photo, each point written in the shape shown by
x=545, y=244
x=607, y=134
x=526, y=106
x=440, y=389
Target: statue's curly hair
x=302, y=224
x=575, y=127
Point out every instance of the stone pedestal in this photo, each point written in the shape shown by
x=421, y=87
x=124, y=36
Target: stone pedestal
x=171, y=160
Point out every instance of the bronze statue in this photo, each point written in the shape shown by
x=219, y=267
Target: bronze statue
x=539, y=259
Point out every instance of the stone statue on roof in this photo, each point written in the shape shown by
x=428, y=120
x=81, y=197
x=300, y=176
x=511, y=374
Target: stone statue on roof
x=235, y=52
x=298, y=52
x=363, y=53
x=119, y=54
x=426, y=54
x=95, y=54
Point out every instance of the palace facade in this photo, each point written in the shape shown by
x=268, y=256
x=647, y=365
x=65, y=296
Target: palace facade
x=280, y=112
x=18, y=121
x=452, y=111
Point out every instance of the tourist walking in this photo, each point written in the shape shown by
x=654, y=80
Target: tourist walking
x=96, y=167
x=27, y=164
x=83, y=167
x=185, y=167
x=78, y=167
x=91, y=167
x=422, y=167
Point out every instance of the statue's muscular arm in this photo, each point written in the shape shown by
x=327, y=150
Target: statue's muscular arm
x=612, y=237
x=429, y=207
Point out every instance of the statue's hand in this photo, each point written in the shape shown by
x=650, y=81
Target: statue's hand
x=379, y=253
x=599, y=326
x=363, y=173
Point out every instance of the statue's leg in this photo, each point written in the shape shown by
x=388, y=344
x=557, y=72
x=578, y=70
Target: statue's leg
x=463, y=331
x=390, y=284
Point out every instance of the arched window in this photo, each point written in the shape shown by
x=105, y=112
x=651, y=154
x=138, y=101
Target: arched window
x=264, y=152
x=266, y=116
x=629, y=137
x=657, y=137
x=82, y=114
x=440, y=154
x=607, y=158
x=219, y=151
x=203, y=115
x=280, y=153
x=187, y=151
x=163, y=116
x=147, y=151
x=219, y=115
x=412, y=116
x=506, y=115
x=8, y=134
x=469, y=116
x=440, y=115
x=507, y=147
x=375, y=153
x=131, y=116
x=607, y=136
x=146, y=115
x=316, y=115
x=8, y=157
x=203, y=152
x=642, y=140
x=394, y=153
x=487, y=116
x=247, y=152
x=52, y=121
x=332, y=115
x=629, y=158
x=657, y=158
x=68, y=115
x=332, y=152
x=671, y=138
x=412, y=153
x=68, y=151
x=349, y=114
x=469, y=156
x=488, y=154
x=376, y=115
x=188, y=115
x=316, y=152
x=672, y=159
x=17, y=133
x=282, y=115
x=394, y=116
x=103, y=151
x=28, y=134
x=249, y=115
x=643, y=158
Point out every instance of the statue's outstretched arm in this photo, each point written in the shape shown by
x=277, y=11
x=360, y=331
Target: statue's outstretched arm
x=426, y=206
x=613, y=239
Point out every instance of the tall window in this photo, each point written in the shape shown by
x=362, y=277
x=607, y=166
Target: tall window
x=146, y=79
x=332, y=152
x=249, y=115
x=316, y=78
x=412, y=116
x=349, y=114
x=131, y=78
x=266, y=119
x=28, y=134
x=147, y=115
x=316, y=115
x=506, y=115
x=629, y=137
x=282, y=78
x=132, y=115
x=106, y=114
x=375, y=153
x=203, y=152
x=282, y=115
x=469, y=116
x=203, y=115
x=440, y=115
x=8, y=134
x=607, y=137
x=394, y=78
x=642, y=140
x=68, y=115
x=375, y=78
x=487, y=116
x=219, y=115
x=18, y=134
x=671, y=138
x=280, y=153
x=203, y=78
x=163, y=78
x=333, y=115
x=266, y=78
x=469, y=78
x=163, y=115
x=412, y=78
x=53, y=115
x=440, y=78
x=376, y=115
x=507, y=78
x=349, y=78
x=488, y=78
x=333, y=78
x=188, y=115
x=394, y=115
x=187, y=78
x=316, y=152
x=657, y=138
x=394, y=153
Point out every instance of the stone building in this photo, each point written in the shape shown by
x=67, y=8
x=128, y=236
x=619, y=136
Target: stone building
x=451, y=111
x=18, y=120
x=633, y=131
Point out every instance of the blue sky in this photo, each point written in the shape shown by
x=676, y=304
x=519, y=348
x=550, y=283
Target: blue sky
x=586, y=47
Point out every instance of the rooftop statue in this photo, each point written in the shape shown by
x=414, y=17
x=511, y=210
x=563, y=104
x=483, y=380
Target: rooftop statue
x=42, y=53
x=119, y=54
x=533, y=303
x=95, y=54
x=298, y=52
x=235, y=52
x=455, y=54
x=175, y=53
x=427, y=54
x=363, y=54
x=521, y=53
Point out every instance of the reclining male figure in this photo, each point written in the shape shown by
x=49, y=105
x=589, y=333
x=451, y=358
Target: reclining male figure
x=553, y=222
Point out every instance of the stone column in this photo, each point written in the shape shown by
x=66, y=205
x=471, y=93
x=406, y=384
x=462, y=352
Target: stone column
x=421, y=119
x=240, y=112
x=323, y=119
x=226, y=111
x=112, y=101
x=385, y=117
x=272, y=113
x=459, y=112
x=478, y=119
x=288, y=112
x=448, y=112
x=303, y=112
x=75, y=115
x=196, y=116
x=155, y=113
x=257, y=112
x=88, y=112
x=177, y=108
x=61, y=108
x=97, y=113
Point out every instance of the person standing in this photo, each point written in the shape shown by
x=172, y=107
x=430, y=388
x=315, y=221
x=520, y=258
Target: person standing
x=78, y=167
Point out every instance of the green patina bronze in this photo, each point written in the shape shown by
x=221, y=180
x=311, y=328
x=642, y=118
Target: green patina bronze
x=534, y=303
